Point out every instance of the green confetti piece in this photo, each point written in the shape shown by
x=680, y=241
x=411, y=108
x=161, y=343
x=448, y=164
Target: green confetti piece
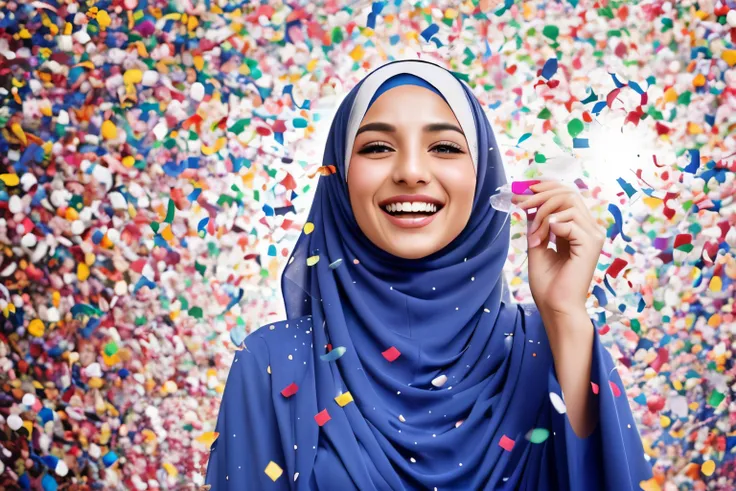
x=239, y=126
x=540, y=159
x=154, y=227
x=537, y=435
x=111, y=348
x=716, y=398
x=684, y=98
x=575, y=127
x=551, y=32
x=635, y=326
x=196, y=312
x=300, y=123
x=170, y=212
x=544, y=114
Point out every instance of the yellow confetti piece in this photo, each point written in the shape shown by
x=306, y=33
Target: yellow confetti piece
x=729, y=56
x=343, y=399
x=170, y=469
x=208, y=438
x=312, y=260
x=650, y=485
x=214, y=149
x=17, y=130
x=133, y=76
x=198, y=62
x=109, y=130
x=694, y=128
x=652, y=203
x=167, y=234
x=308, y=228
x=699, y=80
x=273, y=470
x=95, y=383
x=128, y=161
x=192, y=23
x=716, y=284
x=312, y=64
x=103, y=19
x=715, y=320
x=24, y=34
x=708, y=467
x=36, y=328
x=10, y=179
x=357, y=53
x=670, y=95
x=28, y=425
x=71, y=214
x=664, y=421
x=82, y=272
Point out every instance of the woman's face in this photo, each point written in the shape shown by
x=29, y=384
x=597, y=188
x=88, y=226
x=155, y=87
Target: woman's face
x=409, y=143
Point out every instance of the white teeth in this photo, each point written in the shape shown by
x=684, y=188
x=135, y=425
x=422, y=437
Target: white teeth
x=410, y=207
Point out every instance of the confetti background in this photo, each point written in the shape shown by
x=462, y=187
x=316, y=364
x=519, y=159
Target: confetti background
x=159, y=158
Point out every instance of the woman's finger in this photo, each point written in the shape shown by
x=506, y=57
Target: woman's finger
x=555, y=203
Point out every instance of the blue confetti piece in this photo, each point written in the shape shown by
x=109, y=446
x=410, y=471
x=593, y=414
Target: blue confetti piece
x=202, y=226
x=97, y=236
x=437, y=42
x=394, y=40
x=268, y=210
x=600, y=295
x=628, y=188
x=48, y=483
x=600, y=105
x=495, y=105
x=616, y=81
x=430, y=31
x=237, y=335
x=636, y=87
x=488, y=52
x=641, y=399
x=608, y=286
x=233, y=301
x=288, y=90
x=710, y=119
x=143, y=281
x=333, y=355
x=335, y=264
x=694, y=164
x=50, y=461
x=616, y=228
x=580, y=143
x=109, y=458
x=272, y=250
x=550, y=68
x=46, y=415
x=523, y=138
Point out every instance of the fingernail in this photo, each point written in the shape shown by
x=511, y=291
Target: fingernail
x=522, y=187
x=534, y=241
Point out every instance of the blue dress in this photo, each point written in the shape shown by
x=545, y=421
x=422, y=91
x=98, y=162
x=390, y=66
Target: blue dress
x=257, y=425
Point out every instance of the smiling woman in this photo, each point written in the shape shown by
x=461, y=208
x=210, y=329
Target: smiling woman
x=403, y=363
x=424, y=171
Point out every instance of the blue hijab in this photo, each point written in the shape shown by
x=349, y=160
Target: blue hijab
x=399, y=374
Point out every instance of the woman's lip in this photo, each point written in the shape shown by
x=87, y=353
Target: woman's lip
x=410, y=222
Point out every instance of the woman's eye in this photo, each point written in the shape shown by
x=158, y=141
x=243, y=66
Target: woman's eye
x=447, y=148
x=375, y=148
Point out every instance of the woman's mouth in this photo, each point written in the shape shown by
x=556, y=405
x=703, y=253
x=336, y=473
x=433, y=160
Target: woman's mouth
x=423, y=216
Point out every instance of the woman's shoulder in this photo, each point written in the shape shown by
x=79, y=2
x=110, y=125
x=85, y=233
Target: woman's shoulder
x=283, y=341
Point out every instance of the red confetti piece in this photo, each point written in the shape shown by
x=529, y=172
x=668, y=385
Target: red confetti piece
x=615, y=268
x=615, y=389
x=322, y=417
x=604, y=330
x=290, y=390
x=683, y=239
x=506, y=443
x=391, y=354
x=594, y=387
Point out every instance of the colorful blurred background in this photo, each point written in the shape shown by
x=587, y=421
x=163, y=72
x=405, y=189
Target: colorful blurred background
x=158, y=159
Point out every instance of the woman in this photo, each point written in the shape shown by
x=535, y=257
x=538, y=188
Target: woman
x=402, y=363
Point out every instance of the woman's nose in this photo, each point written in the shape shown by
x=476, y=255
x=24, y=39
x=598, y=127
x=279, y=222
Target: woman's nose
x=412, y=167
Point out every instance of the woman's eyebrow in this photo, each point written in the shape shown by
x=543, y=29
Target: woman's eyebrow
x=389, y=128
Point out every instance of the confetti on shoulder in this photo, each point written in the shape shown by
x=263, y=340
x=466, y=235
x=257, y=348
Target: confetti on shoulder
x=391, y=354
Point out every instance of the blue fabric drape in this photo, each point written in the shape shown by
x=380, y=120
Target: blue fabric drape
x=454, y=410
